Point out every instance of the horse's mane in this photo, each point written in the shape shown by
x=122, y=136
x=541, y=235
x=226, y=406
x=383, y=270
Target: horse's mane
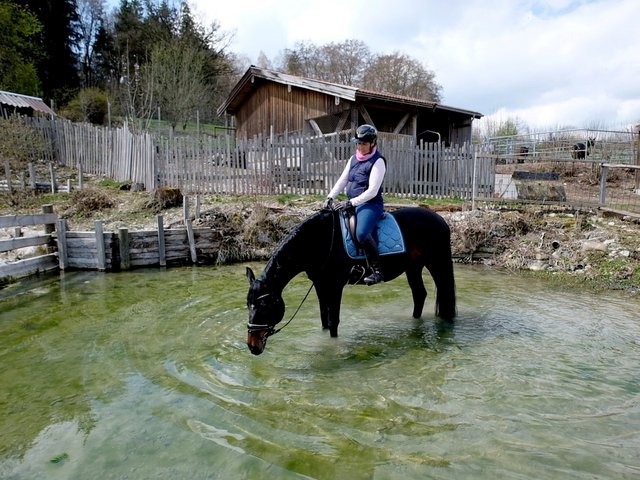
x=289, y=246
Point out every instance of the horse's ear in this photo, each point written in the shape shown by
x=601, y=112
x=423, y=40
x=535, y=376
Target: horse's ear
x=250, y=276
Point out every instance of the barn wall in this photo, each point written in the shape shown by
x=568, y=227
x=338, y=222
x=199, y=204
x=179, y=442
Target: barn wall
x=272, y=104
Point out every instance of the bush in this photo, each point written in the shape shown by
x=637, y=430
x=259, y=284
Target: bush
x=91, y=105
x=20, y=143
x=87, y=201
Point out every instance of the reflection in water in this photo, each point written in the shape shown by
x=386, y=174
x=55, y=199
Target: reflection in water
x=146, y=374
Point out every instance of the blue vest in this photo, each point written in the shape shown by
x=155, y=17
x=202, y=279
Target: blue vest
x=359, y=173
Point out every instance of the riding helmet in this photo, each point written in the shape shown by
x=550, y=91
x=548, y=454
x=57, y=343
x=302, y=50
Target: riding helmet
x=366, y=134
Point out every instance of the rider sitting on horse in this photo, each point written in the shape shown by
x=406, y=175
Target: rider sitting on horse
x=362, y=177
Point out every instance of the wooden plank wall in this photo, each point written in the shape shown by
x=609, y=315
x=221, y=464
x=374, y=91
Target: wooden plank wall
x=41, y=263
x=107, y=251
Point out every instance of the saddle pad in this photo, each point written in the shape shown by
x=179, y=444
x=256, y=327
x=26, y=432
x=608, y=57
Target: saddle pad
x=390, y=239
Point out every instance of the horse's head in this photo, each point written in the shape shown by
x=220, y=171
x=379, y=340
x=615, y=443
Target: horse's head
x=266, y=309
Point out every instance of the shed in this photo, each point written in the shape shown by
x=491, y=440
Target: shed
x=11, y=103
x=268, y=102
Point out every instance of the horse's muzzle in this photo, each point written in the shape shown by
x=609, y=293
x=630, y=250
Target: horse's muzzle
x=256, y=341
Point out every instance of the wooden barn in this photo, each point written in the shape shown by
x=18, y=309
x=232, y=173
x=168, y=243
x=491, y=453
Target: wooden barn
x=15, y=103
x=266, y=102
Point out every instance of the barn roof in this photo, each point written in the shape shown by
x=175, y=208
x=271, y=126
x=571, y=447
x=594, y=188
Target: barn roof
x=24, y=101
x=247, y=84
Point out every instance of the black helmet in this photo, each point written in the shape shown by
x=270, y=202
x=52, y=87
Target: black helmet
x=365, y=134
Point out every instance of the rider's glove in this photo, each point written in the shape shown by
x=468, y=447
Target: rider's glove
x=326, y=205
x=346, y=205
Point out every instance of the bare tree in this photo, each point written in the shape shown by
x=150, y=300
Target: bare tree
x=135, y=92
x=352, y=63
x=346, y=62
x=90, y=14
x=177, y=71
x=401, y=75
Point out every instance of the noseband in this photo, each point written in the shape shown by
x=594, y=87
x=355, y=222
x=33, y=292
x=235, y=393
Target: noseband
x=258, y=327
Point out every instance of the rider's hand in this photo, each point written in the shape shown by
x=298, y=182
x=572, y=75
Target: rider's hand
x=327, y=204
x=346, y=205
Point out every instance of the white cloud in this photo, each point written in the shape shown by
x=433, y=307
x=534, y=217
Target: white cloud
x=548, y=62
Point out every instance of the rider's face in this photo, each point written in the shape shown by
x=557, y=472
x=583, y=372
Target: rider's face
x=364, y=148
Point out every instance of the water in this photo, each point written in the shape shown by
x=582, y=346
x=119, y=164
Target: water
x=146, y=374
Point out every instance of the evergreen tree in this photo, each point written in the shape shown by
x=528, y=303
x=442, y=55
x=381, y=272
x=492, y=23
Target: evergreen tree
x=58, y=66
x=18, y=51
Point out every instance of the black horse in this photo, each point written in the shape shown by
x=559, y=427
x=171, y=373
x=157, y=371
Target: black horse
x=580, y=150
x=315, y=247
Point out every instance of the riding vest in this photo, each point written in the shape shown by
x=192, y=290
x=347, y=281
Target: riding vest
x=359, y=173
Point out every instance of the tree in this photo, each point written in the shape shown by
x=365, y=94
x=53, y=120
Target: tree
x=401, y=75
x=90, y=23
x=18, y=50
x=352, y=63
x=57, y=66
x=346, y=61
x=177, y=71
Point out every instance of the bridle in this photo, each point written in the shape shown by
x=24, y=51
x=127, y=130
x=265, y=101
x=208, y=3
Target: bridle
x=270, y=330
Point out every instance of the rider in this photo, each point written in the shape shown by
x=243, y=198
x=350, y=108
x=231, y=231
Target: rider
x=362, y=177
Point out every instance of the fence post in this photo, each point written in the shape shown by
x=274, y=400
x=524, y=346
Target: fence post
x=32, y=176
x=637, y=186
x=123, y=237
x=474, y=188
x=54, y=187
x=162, y=254
x=7, y=172
x=102, y=257
x=603, y=183
x=63, y=260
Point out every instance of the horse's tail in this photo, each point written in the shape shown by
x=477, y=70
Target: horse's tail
x=445, y=284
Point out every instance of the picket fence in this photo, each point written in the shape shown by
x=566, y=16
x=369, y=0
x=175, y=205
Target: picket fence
x=305, y=164
x=289, y=164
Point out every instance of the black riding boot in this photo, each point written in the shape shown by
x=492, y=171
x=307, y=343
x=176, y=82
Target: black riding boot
x=370, y=248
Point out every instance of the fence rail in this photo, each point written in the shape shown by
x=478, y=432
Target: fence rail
x=40, y=263
x=298, y=164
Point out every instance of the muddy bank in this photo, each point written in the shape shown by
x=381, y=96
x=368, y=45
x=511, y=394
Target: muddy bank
x=568, y=246
x=575, y=246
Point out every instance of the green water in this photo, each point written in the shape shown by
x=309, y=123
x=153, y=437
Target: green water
x=146, y=374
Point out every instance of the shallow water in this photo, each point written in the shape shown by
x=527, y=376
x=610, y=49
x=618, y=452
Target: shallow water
x=146, y=374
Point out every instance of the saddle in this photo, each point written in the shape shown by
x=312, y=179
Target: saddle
x=390, y=240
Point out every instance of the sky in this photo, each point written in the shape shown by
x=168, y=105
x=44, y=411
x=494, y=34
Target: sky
x=546, y=64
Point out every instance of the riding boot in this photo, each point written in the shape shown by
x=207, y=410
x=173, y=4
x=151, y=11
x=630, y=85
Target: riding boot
x=370, y=248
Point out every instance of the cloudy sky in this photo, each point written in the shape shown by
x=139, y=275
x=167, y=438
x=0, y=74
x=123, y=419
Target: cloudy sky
x=548, y=63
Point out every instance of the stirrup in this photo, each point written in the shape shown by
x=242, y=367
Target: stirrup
x=375, y=277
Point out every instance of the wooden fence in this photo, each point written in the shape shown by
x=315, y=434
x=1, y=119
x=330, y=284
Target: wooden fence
x=294, y=164
x=299, y=164
x=106, y=251
x=46, y=261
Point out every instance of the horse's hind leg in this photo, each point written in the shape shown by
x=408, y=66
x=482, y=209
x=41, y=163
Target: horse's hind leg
x=418, y=291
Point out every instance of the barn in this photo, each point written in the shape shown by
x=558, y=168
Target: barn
x=266, y=102
x=15, y=103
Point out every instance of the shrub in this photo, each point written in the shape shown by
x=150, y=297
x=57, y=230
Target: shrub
x=91, y=105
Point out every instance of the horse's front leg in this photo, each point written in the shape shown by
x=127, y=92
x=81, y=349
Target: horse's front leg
x=419, y=293
x=329, y=298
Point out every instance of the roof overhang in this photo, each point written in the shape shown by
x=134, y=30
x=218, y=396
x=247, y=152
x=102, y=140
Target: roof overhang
x=254, y=75
x=24, y=101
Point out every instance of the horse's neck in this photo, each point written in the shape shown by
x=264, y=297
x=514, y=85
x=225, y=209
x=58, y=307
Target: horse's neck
x=297, y=252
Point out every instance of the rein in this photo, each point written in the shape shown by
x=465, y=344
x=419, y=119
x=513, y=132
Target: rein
x=270, y=329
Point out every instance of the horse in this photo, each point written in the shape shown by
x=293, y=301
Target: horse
x=580, y=150
x=316, y=247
